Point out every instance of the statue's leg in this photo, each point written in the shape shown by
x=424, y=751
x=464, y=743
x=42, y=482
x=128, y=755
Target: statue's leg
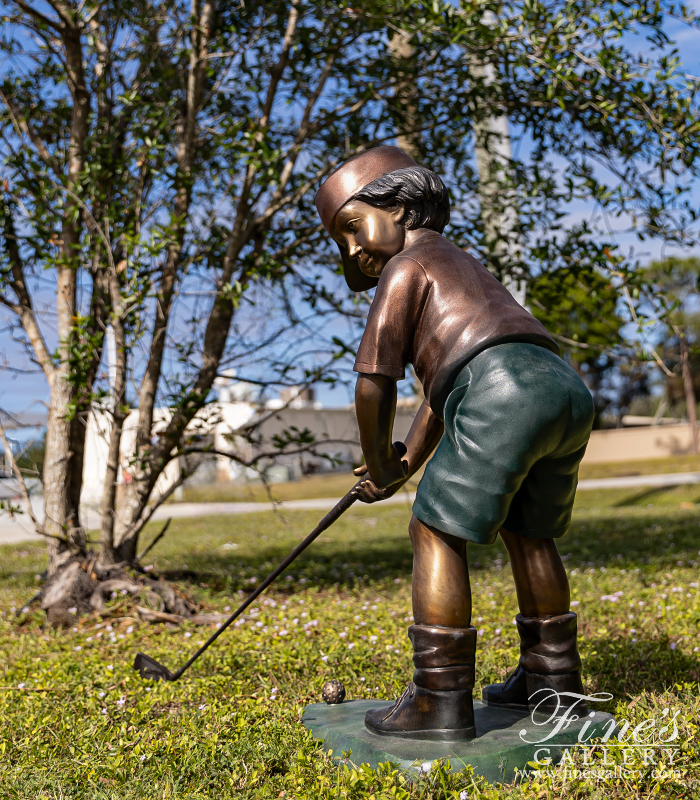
x=540, y=578
x=549, y=671
x=437, y=704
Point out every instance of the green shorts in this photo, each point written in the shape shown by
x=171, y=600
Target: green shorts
x=517, y=424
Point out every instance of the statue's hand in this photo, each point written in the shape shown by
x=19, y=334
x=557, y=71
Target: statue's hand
x=392, y=477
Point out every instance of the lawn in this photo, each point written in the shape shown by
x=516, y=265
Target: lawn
x=335, y=484
x=77, y=722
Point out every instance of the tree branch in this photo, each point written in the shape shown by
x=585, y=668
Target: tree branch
x=22, y=127
x=37, y=15
x=23, y=486
x=24, y=308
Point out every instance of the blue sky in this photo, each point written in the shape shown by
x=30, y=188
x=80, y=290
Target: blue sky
x=20, y=392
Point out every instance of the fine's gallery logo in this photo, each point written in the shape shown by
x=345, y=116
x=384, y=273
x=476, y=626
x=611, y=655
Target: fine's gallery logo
x=648, y=744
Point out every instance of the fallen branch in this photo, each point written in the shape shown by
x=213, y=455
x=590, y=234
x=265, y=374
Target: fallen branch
x=178, y=619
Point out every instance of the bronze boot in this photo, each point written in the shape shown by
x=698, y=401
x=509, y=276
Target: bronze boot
x=437, y=704
x=549, y=672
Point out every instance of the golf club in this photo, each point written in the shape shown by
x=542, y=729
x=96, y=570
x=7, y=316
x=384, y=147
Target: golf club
x=149, y=668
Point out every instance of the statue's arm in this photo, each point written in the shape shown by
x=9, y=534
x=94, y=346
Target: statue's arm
x=423, y=437
x=375, y=406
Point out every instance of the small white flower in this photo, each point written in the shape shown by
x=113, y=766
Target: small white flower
x=343, y=634
x=148, y=568
x=464, y=795
x=78, y=648
x=143, y=758
x=122, y=701
x=187, y=634
x=673, y=645
x=130, y=629
x=72, y=610
x=101, y=694
x=227, y=608
x=324, y=659
x=21, y=685
x=362, y=680
x=110, y=666
x=104, y=710
x=497, y=631
x=25, y=610
x=575, y=602
x=351, y=645
x=203, y=706
x=425, y=767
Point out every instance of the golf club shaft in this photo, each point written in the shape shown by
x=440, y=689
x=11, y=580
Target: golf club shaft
x=340, y=508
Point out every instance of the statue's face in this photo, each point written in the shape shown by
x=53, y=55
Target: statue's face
x=372, y=235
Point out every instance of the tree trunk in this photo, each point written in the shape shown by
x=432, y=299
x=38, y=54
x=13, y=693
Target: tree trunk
x=61, y=515
x=401, y=49
x=109, y=494
x=690, y=401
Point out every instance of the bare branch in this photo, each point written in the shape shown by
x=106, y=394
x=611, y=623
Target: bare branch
x=24, y=308
x=22, y=485
x=142, y=521
x=37, y=15
x=156, y=540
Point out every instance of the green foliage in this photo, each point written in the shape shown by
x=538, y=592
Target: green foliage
x=231, y=729
x=672, y=292
x=580, y=305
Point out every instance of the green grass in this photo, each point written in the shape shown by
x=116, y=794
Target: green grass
x=337, y=483
x=652, y=466
x=230, y=728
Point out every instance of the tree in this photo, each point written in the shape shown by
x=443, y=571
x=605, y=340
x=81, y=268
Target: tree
x=581, y=308
x=671, y=289
x=161, y=161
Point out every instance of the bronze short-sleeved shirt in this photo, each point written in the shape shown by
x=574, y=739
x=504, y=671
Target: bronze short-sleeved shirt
x=437, y=307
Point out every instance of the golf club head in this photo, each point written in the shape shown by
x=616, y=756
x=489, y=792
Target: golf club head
x=149, y=668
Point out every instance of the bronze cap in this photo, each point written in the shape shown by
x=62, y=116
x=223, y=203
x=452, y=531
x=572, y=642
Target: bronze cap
x=343, y=185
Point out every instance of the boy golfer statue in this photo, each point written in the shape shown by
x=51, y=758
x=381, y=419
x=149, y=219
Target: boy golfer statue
x=510, y=421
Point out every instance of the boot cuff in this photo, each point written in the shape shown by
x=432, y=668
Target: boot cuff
x=442, y=647
x=548, y=645
x=443, y=657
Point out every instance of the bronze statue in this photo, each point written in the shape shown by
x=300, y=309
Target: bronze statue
x=510, y=421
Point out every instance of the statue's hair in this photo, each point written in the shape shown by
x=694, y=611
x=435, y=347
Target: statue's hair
x=420, y=192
